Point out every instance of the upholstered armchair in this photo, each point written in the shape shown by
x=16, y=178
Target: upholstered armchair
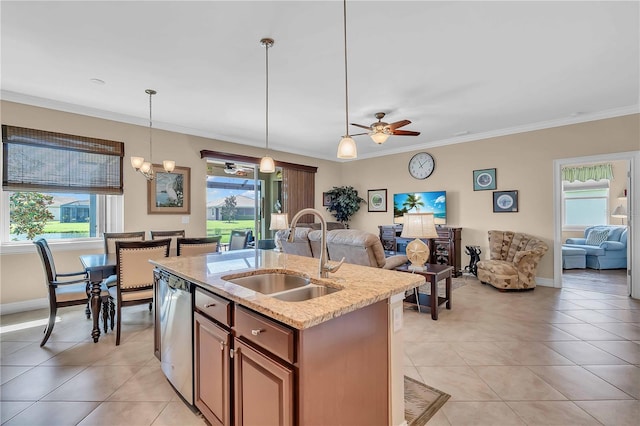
x=360, y=248
x=300, y=244
x=513, y=260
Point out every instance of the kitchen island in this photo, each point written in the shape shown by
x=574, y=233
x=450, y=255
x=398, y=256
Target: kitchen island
x=334, y=359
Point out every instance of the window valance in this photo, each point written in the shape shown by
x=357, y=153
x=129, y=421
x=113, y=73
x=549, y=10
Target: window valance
x=584, y=173
x=37, y=160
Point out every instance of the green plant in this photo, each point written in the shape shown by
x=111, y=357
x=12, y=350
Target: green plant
x=345, y=202
x=29, y=213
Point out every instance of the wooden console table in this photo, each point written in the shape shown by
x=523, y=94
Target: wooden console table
x=433, y=274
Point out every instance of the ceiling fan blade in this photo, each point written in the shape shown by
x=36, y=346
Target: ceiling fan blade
x=405, y=133
x=361, y=126
x=398, y=124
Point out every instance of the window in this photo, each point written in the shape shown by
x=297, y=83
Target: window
x=70, y=186
x=585, y=204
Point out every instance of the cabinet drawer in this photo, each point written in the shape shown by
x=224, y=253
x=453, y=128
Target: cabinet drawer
x=213, y=306
x=265, y=333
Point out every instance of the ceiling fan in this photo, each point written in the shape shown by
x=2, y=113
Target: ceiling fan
x=233, y=169
x=380, y=131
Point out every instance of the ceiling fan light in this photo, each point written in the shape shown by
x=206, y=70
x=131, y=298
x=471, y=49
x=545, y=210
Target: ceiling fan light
x=347, y=148
x=379, y=138
x=267, y=165
x=169, y=165
x=136, y=162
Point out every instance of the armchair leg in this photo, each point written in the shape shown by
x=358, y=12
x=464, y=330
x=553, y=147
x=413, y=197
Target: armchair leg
x=52, y=321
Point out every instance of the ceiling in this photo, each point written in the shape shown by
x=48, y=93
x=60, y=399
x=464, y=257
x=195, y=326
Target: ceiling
x=459, y=71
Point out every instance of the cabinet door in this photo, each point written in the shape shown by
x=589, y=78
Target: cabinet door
x=212, y=370
x=263, y=388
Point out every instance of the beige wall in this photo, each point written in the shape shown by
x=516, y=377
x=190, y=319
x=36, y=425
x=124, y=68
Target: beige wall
x=523, y=162
x=22, y=277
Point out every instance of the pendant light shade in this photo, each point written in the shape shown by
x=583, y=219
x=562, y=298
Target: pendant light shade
x=266, y=163
x=347, y=148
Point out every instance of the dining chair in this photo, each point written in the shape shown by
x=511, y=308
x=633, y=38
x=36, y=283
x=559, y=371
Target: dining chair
x=238, y=240
x=174, y=235
x=69, y=291
x=134, y=284
x=194, y=246
x=110, y=239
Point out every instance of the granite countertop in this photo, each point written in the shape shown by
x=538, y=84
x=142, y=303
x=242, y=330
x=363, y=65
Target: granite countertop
x=360, y=285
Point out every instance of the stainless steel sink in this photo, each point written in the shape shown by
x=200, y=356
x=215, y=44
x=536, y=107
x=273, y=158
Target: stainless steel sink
x=270, y=283
x=309, y=292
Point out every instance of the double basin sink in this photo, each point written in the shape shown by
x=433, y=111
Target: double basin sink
x=282, y=285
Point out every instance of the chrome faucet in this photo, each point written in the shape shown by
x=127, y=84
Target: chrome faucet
x=323, y=268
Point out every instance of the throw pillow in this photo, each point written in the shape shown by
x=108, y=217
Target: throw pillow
x=596, y=237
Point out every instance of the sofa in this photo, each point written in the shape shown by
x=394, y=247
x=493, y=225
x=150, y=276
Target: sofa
x=605, y=246
x=356, y=246
x=513, y=260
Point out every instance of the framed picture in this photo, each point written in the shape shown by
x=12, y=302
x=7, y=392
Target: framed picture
x=484, y=179
x=505, y=201
x=169, y=193
x=326, y=199
x=377, y=200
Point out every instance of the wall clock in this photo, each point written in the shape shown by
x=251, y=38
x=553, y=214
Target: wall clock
x=421, y=165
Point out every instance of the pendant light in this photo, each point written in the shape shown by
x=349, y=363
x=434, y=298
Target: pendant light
x=266, y=163
x=347, y=148
x=145, y=167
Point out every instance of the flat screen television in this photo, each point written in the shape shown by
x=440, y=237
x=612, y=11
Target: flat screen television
x=421, y=202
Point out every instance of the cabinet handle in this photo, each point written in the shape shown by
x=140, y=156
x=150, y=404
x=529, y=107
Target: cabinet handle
x=256, y=332
x=222, y=345
x=209, y=305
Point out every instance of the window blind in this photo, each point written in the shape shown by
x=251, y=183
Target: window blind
x=37, y=160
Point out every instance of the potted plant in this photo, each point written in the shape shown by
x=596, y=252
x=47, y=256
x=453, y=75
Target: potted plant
x=345, y=202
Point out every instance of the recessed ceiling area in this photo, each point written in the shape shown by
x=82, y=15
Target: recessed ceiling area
x=458, y=71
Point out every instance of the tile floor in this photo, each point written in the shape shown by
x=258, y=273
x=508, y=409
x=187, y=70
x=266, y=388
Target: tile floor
x=560, y=357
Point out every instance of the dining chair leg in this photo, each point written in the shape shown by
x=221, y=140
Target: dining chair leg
x=105, y=314
x=52, y=321
x=150, y=306
x=87, y=310
x=112, y=311
x=119, y=321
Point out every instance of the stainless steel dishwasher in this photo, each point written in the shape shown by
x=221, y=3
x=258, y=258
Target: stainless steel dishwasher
x=176, y=333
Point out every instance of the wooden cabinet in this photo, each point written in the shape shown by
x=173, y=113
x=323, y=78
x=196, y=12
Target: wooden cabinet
x=212, y=385
x=212, y=357
x=253, y=370
x=263, y=388
x=445, y=250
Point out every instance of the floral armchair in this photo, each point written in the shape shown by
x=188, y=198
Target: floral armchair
x=513, y=262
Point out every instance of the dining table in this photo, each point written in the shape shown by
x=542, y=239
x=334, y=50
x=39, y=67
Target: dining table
x=98, y=267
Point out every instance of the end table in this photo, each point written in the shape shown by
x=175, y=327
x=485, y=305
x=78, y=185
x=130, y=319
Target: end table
x=433, y=274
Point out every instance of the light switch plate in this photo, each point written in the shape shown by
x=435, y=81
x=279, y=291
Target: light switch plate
x=185, y=219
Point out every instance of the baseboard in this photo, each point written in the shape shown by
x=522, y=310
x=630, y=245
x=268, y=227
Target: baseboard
x=25, y=305
x=545, y=282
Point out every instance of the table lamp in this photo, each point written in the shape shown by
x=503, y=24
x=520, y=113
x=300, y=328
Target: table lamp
x=418, y=225
x=279, y=221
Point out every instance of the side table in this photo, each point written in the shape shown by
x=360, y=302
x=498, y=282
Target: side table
x=433, y=274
